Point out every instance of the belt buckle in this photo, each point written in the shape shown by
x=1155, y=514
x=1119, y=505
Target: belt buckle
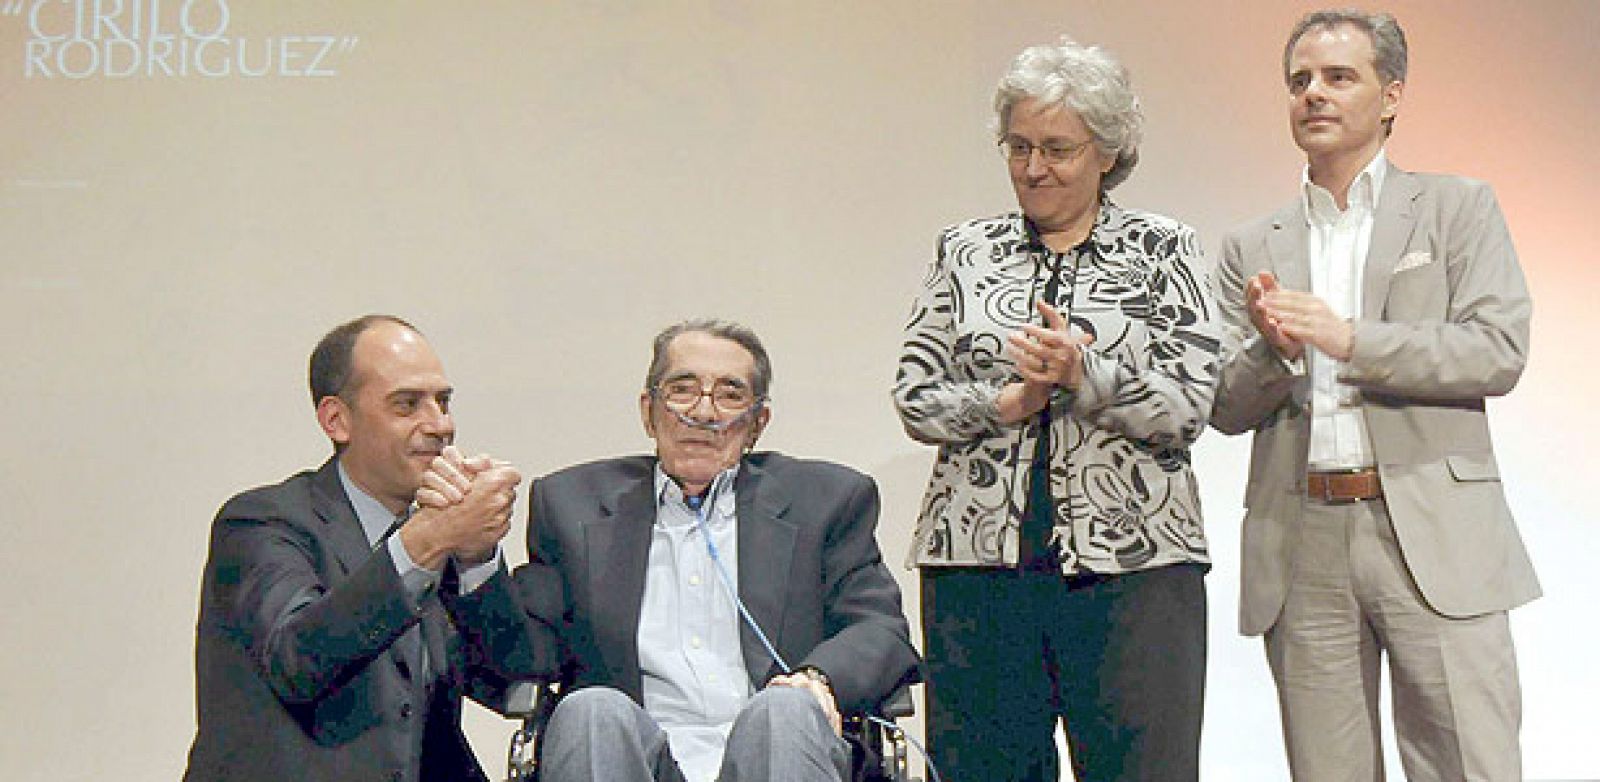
x=1327, y=495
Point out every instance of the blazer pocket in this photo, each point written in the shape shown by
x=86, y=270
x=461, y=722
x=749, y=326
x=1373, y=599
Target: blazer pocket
x=1473, y=467
x=1413, y=260
x=1417, y=291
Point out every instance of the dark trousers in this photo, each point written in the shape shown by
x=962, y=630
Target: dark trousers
x=1119, y=660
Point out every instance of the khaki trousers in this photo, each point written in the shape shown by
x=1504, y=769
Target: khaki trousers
x=1457, y=703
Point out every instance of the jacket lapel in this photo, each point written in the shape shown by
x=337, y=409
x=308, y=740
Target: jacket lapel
x=342, y=531
x=1392, y=225
x=618, y=544
x=766, y=550
x=1287, y=248
x=347, y=542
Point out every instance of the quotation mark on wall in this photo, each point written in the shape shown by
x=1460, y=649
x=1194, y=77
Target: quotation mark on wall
x=12, y=7
x=348, y=43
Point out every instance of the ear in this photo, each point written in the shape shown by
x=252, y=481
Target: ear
x=644, y=415
x=756, y=428
x=1391, y=98
x=334, y=416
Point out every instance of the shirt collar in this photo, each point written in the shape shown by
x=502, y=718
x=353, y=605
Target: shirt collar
x=1102, y=219
x=1363, y=196
x=375, y=519
x=720, y=494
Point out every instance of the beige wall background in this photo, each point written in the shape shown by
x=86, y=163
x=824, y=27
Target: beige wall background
x=191, y=192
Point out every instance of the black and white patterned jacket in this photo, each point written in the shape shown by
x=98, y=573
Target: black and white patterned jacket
x=1125, y=497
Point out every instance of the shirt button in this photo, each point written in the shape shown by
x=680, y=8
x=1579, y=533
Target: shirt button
x=711, y=677
x=694, y=580
x=405, y=711
x=695, y=641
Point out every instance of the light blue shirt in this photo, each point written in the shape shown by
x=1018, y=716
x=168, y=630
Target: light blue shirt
x=690, y=659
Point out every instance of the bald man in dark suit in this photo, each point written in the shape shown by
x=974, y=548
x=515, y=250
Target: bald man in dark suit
x=339, y=627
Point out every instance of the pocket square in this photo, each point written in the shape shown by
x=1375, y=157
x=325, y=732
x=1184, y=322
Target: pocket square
x=1412, y=260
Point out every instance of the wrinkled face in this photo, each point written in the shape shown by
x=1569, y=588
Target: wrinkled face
x=395, y=416
x=689, y=454
x=1055, y=196
x=1337, y=101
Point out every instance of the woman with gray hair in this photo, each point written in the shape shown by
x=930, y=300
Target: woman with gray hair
x=1063, y=358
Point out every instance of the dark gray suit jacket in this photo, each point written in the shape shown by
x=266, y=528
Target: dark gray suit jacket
x=809, y=571
x=297, y=672
x=1444, y=326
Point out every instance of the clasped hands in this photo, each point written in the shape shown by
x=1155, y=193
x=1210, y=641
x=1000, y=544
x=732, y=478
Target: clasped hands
x=465, y=506
x=1046, y=357
x=1290, y=320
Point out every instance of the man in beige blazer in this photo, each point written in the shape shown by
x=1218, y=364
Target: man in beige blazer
x=1366, y=325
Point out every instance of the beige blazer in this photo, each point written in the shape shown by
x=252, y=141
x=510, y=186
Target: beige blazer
x=1444, y=325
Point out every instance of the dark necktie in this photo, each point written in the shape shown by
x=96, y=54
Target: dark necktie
x=410, y=650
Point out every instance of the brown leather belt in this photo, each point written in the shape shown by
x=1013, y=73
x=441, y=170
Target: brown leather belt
x=1344, y=485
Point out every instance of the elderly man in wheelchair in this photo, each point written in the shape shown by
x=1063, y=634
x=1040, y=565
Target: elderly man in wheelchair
x=709, y=612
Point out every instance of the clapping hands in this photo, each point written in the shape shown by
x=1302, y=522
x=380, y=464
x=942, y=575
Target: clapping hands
x=465, y=506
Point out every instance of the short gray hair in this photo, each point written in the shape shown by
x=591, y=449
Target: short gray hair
x=1090, y=82
x=725, y=329
x=1388, y=40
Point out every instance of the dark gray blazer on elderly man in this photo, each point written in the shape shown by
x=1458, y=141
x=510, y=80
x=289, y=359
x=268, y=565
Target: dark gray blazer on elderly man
x=809, y=572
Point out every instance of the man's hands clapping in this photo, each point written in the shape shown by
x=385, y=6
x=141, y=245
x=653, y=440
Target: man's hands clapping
x=1290, y=320
x=465, y=506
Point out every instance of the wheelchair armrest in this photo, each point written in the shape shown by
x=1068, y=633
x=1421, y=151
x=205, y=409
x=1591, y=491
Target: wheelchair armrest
x=532, y=702
x=898, y=704
x=880, y=743
x=523, y=699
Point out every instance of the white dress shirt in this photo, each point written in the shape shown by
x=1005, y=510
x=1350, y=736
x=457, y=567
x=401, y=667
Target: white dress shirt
x=690, y=659
x=1338, y=242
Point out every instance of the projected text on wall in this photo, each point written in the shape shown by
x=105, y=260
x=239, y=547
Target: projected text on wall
x=122, y=39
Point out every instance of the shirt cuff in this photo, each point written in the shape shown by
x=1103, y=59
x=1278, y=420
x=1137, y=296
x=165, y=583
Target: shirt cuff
x=417, y=580
x=478, y=575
